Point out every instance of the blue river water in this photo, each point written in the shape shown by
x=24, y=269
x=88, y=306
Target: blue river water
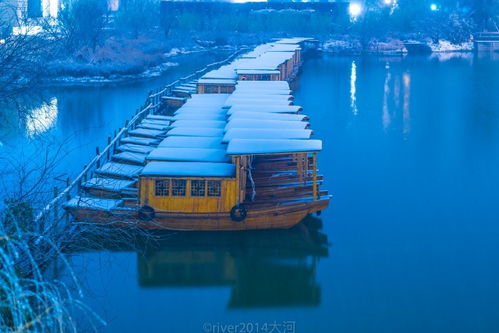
x=409, y=243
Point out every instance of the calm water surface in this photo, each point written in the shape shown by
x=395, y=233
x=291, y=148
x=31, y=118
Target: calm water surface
x=409, y=244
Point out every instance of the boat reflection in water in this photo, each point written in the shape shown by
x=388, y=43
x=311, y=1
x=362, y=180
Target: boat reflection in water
x=271, y=268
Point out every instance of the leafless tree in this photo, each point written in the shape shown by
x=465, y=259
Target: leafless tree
x=137, y=16
x=82, y=23
x=23, y=53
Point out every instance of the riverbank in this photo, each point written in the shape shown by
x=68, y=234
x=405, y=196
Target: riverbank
x=350, y=45
x=122, y=59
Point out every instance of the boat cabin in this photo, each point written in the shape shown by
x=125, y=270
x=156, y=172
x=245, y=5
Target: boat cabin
x=216, y=86
x=171, y=186
x=193, y=187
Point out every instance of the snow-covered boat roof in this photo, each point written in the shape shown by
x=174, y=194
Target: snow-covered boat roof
x=292, y=40
x=199, y=116
x=210, y=111
x=206, y=98
x=257, y=51
x=265, y=91
x=79, y=202
x=257, y=118
x=264, y=107
x=242, y=98
x=257, y=71
x=266, y=146
x=228, y=81
x=244, y=84
x=264, y=59
x=188, y=154
x=191, y=142
x=268, y=60
x=267, y=116
x=270, y=133
x=282, y=47
x=189, y=169
x=273, y=100
x=263, y=123
x=196, y=131
x=199, y=123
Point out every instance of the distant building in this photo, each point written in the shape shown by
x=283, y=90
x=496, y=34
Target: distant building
x=44, y=8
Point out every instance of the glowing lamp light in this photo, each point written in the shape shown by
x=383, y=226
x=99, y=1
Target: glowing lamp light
x=387, y=2
x=433, y=7
x=354, y=9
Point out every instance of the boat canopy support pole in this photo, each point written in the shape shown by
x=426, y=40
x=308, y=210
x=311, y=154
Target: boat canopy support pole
x=314, y=186
x=238, y=178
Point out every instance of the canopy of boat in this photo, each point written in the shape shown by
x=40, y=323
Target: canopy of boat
x=189, y=169
x=277, y=146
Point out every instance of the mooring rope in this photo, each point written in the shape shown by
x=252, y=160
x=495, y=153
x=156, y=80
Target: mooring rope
x=250, y=176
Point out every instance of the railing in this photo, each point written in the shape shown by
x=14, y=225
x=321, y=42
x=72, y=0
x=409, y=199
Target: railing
x=486, y=36
x=151, y=106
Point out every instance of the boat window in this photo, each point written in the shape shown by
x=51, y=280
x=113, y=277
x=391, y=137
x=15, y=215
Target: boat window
x=211, y=89
x=178, y=187
x=214, y=188
x=162, y=188
x=226, y=89
x=198, y=188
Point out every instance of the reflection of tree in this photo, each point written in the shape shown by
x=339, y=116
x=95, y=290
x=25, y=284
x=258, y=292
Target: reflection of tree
x=264, y=268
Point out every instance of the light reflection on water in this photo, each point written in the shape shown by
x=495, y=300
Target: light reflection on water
x=353, y=89
x=386, y=94
x=42, y=118
x=406, y=78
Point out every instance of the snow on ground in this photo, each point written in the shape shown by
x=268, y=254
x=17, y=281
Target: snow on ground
x=341, y=46
x=446, y=46
x=352, y=45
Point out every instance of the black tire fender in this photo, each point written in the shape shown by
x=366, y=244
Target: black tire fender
x=146, y=213
x=238, y=213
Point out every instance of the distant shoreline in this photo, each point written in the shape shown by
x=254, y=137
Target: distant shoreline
x=338, y=45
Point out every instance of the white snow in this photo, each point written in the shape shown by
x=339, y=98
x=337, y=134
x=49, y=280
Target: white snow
x=109, y=184
x=263, y=107
x=266, y=146
x=189, y=169
x=192, y=142
x=135, y=148
x=92, y=203
x=263, y=123
x=196, y=131
x=272, y=133
x=267, y=116
x=446, y=46
x=119, y=169
x=188, y=154
x=199, y=123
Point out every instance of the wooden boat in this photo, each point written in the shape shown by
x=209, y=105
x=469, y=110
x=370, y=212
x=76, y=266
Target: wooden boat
x=221, y=161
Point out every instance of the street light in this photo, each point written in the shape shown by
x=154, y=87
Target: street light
x=433, y=7
x=354, y=9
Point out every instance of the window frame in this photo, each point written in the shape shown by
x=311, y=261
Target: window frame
x=208, y=191
x=165, y=189
x=179, y=180
x=219, y=184
x=194, y=181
